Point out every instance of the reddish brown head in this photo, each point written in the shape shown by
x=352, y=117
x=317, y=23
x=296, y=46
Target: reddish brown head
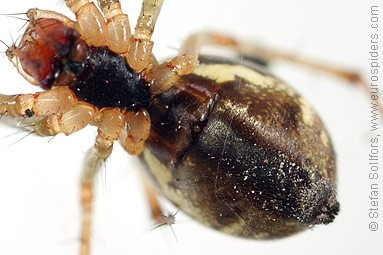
x=50, y=52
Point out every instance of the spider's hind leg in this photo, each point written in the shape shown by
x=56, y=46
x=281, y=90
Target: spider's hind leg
x=151, y=194
x=92, y=166
x=110, y=123
x=260, y=54
x=132, y=129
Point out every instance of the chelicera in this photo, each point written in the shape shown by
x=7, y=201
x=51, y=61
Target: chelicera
x=227, y=143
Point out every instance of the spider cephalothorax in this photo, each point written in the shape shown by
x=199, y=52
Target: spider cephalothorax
x=94, y=70
x=99, y=66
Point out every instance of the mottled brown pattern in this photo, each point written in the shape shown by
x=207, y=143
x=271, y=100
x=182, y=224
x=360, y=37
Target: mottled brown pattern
x=255, y=168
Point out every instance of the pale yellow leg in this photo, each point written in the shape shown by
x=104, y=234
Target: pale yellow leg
x=56, y=111
x=90, y=22
x=54, y=101
x=140, y=51
x=118, y=27
x=110, y=122
x=162, y=77
x=135, y=131
x=71, y=120
x=132, y=128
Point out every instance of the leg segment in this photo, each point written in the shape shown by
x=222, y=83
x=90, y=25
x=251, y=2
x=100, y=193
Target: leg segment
x=41, y=104
x=133, y=129
x=154, y=204
x=139, y=54
x=196, y=41
x=135, y=132
x=57, y=110
x=91, y=23
x=73, y=119
x=110, y=123
x=92, y=167
x=118, y=27
x=162, y=77
x=116, y=31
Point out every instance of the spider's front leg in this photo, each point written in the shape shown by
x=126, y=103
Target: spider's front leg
x=114, y=32
x=141, y=43
x=139, y=56
x=56, y=111
x=90, y=22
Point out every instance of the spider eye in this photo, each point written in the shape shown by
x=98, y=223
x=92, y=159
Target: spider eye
x=79, y=51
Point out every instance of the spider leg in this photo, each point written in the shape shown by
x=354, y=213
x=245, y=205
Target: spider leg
x=194, y=42
x=90, y=22
x=110, y=122
x=56, y=111
x=162, y=77
x=141, y=44
x=136, y=131
x=41, y=104
x=151, y=194
x=133, y=129
x=117, y=25
x=93, y=165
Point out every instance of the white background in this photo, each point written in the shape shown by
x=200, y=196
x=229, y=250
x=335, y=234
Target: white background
x=39, y=180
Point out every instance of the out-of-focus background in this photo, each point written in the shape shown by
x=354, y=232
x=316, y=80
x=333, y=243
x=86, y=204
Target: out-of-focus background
x=40, y=209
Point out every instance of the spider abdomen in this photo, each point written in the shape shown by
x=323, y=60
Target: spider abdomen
x=242, y=152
